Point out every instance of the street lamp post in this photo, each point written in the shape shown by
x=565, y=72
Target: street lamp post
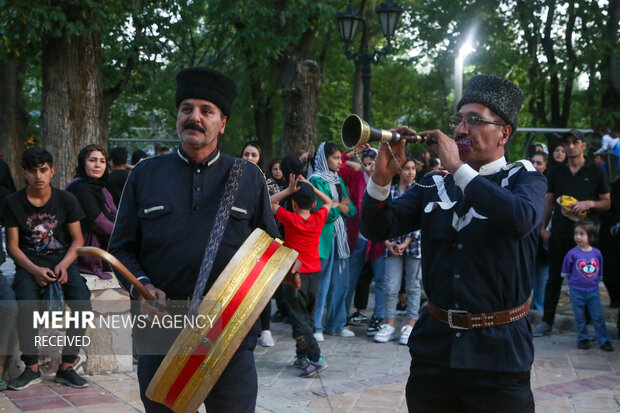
x=389, y=14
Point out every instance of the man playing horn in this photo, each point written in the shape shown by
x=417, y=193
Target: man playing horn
x=472, y=348
x=170, y=206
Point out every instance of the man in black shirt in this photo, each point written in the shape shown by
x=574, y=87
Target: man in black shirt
x=586, y=182
x=42, y=235
x=119, y=173
x=167, y=213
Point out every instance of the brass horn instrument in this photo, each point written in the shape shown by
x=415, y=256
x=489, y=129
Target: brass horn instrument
x=356, y=132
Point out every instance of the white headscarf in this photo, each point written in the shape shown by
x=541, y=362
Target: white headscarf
x=321, y=170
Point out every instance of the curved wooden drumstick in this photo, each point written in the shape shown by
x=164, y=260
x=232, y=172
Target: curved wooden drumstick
x=118, y=266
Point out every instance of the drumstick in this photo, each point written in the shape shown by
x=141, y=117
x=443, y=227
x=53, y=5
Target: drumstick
x=118, y=266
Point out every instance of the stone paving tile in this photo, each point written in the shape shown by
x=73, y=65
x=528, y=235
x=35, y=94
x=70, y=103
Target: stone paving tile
x=6, y=406
x=61, y=410
x=87, y=399
x=66, y=390
x=36, y=390
x=113, y=407
x=601, y=400
x=556, y=401
x=554, y=409
x=40, y=403
x=127, y=395
x=137, y=405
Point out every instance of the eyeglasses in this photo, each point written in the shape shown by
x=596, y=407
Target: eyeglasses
x=473, y=121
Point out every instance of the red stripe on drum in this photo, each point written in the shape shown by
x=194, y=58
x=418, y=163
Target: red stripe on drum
x=201, y=352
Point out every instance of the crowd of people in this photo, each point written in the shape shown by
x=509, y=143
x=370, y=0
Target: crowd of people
x=355, y=218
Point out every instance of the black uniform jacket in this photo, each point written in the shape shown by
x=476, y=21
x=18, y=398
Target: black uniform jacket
x=478, y=251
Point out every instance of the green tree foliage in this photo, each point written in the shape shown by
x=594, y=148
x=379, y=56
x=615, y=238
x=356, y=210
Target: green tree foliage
x=561, y=53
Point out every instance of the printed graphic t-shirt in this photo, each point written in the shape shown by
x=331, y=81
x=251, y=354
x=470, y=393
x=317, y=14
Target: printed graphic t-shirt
x=303, y=235
x=42, y=230
x=584, y=269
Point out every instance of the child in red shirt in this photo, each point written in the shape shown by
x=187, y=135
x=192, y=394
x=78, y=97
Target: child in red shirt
x=303, y=229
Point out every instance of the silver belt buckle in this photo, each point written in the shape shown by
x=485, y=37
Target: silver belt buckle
x=450, y=323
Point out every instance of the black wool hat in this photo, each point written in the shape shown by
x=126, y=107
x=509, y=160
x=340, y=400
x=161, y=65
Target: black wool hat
x=496, y=93
x=305, y=193
x=208, y=84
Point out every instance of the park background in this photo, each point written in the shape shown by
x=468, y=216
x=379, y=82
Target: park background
x=75, y=72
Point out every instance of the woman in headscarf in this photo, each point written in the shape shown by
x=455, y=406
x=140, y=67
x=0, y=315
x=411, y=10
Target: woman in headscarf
x=276, y=175
x=88, y=186
x=333, y=246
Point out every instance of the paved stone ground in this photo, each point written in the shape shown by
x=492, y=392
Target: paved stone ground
x=363, y=376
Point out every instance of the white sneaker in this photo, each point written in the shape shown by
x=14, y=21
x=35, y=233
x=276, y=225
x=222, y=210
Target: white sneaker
x=319, y=337
x=405, y=332
x=347, y=333
x=266, y=340
x=386, y=333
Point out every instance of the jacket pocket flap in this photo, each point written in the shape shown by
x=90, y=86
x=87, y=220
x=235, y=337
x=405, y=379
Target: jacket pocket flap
x=239, y=213
x=154, y=211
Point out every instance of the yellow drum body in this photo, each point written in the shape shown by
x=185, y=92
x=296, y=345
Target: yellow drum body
x=198, y=357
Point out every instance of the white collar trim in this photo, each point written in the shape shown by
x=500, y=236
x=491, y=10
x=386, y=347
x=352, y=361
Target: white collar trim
x=493, y=167
x=211, y=162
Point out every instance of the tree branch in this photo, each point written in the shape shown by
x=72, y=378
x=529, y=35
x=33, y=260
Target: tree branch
x=110, y=94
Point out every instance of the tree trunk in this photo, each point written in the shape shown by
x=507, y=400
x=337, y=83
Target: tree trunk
x=300, y=106
x=13, y=116
x=609, y=67
x=571, y=59
x=547, y=43
x=263, y=115
x=300, y=80
x=263, y=123
x=72, y=99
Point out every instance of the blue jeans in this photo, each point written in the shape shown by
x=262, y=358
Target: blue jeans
x=356, y=262
x=541, y=273
x=580, y=299
x=393, y=278
x=332, y=292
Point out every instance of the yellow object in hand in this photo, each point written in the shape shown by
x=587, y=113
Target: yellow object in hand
x=566, y=201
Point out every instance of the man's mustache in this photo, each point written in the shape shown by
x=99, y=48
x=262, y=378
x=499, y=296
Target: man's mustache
x=193, y=126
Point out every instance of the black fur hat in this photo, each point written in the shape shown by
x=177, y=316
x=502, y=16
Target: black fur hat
x=496, y=93
x=208, y=84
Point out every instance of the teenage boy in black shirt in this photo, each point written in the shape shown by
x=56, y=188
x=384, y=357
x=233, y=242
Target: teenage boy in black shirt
x=42, y=235
x=586, y=182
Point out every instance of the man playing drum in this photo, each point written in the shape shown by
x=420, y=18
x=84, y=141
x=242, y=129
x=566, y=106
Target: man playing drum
x=168, y=210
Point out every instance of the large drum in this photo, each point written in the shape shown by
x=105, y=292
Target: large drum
x=199, y=356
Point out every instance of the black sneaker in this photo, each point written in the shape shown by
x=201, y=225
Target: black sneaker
x=585, y=344
x=374, y=326
x=24, y=380
x=70, y=378
x=358, y=318
x=607, y=346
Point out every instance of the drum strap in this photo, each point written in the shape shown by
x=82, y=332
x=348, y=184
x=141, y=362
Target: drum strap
x=217, y=232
